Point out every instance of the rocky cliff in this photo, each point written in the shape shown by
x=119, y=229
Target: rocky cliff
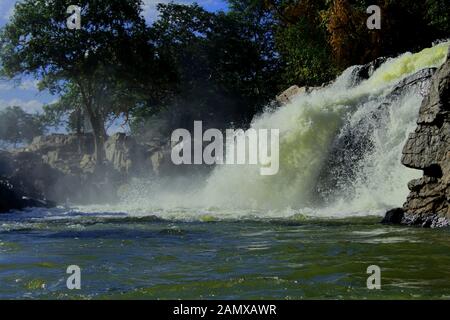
x=428, y=149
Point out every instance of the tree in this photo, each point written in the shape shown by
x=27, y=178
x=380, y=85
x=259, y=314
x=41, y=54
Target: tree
x=438, y=15
x=66, y=112
x=405, y=26
x=347, y=33
x=17, y=126
x=317, y=39
x=254, y=30
x=106, y=67
x=299, y=36
x=223, y=67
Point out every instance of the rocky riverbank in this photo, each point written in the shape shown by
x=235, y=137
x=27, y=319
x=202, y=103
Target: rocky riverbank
x=59, y=168
x=428, y=149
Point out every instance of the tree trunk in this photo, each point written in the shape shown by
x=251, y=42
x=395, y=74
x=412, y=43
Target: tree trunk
x=98, y=130
x=99, y=139
x=78, y=120
x=98, y=126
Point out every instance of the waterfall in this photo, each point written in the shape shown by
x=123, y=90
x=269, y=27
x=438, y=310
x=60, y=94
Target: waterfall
x=340, y=150
x=340, y=146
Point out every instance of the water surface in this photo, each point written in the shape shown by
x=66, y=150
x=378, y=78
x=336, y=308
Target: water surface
x=146, y=257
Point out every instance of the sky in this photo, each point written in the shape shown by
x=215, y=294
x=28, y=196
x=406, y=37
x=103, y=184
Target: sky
x=25, y=94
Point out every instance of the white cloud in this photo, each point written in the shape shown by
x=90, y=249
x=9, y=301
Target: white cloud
x=5, y=86
x=29, y=85
x=30, y=106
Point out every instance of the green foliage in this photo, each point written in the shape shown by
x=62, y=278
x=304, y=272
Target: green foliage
x=298, y=37
x=306, y=54
x=67, y=111
x=223, y=67
x=438, y=15
x=317, y=39
x=17, y=126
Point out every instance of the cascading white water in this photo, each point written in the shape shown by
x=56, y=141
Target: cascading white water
x=380, y=181
x=310, y=127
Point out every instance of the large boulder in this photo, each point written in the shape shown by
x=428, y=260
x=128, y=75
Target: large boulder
x=9, y=198
x=287, y=95
x=12, y=198
x=364, y=72
x=428, y=149
x=27, y=172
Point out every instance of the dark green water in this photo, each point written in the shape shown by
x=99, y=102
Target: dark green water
x=148, y=258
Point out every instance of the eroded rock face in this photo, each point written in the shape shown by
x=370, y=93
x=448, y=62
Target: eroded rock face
x=73, y=154
x=125, y=154
x=63, y=152
x=428, y=149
